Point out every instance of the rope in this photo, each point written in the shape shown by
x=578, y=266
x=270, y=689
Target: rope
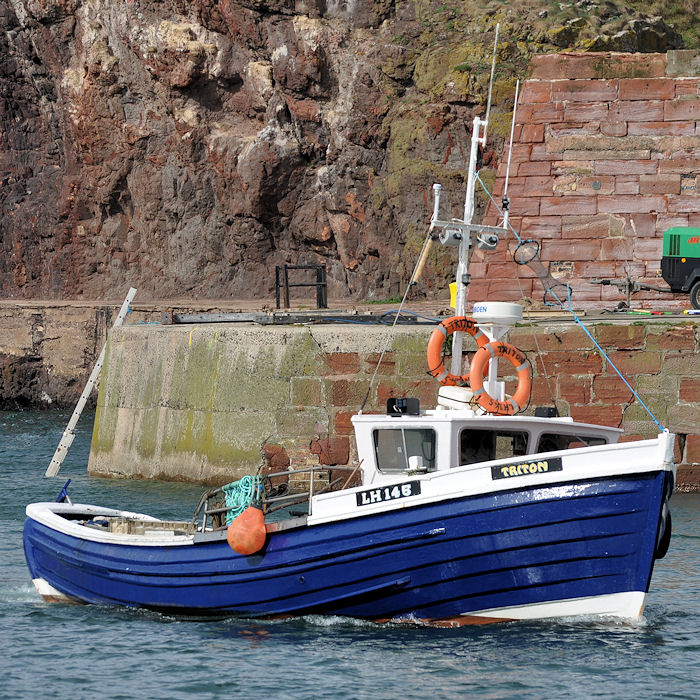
x=567, y=306
x=612, y=364
x=390, y=334
x=239, y=495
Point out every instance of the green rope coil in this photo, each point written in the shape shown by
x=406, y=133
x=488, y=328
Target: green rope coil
x=239, y=495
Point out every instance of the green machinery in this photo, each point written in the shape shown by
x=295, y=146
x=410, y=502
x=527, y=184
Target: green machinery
x=680, y=264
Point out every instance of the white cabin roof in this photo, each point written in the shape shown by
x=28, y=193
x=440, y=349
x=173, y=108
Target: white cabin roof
x=442, y=449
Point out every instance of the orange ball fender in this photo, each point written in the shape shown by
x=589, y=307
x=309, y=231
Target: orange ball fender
x=479, y=366
x=436, y=367
x=246, y=534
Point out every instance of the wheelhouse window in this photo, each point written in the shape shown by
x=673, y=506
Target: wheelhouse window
x=394, y=446
x=483, y=445
x=549, y=442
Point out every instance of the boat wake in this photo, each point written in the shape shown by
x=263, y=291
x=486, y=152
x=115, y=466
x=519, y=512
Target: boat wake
x=607, y=621
x=19, y=593
x=320, y=621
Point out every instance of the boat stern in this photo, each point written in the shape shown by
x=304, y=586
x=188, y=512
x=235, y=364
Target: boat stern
x=667, y=441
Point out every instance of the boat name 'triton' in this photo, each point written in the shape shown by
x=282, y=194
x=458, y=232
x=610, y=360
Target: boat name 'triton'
x=509, y=470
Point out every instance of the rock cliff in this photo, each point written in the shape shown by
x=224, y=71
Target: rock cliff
x=186, y=148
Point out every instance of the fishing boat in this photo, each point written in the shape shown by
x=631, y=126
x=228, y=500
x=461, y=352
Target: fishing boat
x=466, y=512
x=429, y=535
x=461, y=516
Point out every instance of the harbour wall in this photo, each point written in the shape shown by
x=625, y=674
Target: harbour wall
x=48, y=349
x=211, y=402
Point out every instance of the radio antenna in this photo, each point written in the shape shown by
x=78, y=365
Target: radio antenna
x=506, y=199
x=493, y=71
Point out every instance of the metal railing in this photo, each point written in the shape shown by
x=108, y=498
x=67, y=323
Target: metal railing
x=274, y=498
x=282, y=282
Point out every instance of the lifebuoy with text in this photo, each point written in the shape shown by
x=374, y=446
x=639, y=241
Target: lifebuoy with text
x=478, y=368
x=436, y=367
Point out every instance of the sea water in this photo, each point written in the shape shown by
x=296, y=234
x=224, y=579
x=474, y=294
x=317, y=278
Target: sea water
x=73, y=651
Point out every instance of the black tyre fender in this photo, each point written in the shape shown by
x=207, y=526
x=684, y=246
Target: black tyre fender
x=663, y=536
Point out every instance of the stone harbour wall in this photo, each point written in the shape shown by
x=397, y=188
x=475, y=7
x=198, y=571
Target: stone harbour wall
x=606, y=158
x=47, y=351
x=210, y=403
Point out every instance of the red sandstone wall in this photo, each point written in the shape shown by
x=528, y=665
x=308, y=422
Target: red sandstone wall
x=606, y=157
x=660, y=360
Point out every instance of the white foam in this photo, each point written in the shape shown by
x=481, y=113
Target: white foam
x=25, y=593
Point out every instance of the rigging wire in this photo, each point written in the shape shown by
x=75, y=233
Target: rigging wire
x=506, y=214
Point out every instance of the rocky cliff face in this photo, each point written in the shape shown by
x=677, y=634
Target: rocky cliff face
x=186, y=148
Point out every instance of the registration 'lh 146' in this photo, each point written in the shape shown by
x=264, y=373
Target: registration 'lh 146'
x=388, y=493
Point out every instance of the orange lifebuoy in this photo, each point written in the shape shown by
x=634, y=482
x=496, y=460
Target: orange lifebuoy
x=476, y=373
x=445, y=328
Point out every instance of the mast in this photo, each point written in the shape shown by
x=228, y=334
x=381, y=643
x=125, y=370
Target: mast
x=479, y=132
x=463, y=277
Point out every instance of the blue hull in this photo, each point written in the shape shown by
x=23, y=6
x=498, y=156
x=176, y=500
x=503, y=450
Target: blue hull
x=435, y=561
